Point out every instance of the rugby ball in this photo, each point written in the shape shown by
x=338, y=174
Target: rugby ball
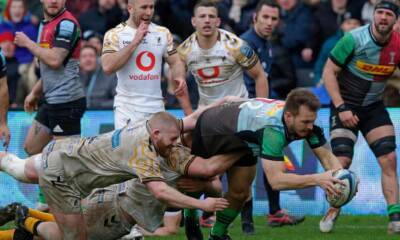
x=347, y=191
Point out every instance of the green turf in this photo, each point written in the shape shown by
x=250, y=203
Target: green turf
x=347, y=227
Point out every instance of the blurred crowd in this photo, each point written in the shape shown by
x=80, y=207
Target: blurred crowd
x=307, y=31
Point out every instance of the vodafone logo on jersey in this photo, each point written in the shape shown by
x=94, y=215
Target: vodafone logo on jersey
x=145, y=62
x=209, y=74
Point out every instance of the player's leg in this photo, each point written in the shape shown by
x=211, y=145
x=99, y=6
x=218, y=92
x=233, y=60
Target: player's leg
x=382, y=142
x=246, y=215
x=379, y=132
x=342, y=143
x=277, y=216
x=26, y=219
x=39, y=133
x=172, y=219
x=238, y=192
x=16, y=234
x=24, y=170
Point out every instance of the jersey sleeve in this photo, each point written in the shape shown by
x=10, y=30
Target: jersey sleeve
x=110, y=44
x=3, y=65
x=245, y=55
x=343, y=50
x=170, y=50
x=180, y=159
x=67, y=34
x=273, y=142
x=317, y=138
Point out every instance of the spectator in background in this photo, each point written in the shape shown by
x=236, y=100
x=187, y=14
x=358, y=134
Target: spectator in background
x=328, y=18
x=36, y=10
x=8, y=48
x=99, y=88
x=295, y=32
x=94, y=39
x=106, y=15
x=319, y=89
x=265, y=20
x=17, y=19
x=367, y=11
x=77, y=7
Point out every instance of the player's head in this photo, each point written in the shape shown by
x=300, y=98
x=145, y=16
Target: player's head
x=300, y=111
x=266, y=17
x=385, y=16
x=205, y=18
x=52, y=8
x=141, y=10
x=164, y=130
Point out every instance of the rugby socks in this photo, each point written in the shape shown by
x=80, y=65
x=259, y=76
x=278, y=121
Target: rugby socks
x=31, y=225
x=247, y=212
x=192, y=213
x=224, y=219
x=46, y=217
x=394, y=212
x=7, y=234
x=15, y=234
x=41, y=197
x=273, y=197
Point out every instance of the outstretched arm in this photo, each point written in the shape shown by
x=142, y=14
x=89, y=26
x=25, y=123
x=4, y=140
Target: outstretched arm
x=279, y=179
x=174, y=198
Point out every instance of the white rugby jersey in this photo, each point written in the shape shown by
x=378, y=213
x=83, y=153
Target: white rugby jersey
x=139, y=81
x=219, y=70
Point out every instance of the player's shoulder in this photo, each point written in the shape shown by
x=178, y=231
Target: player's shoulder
x=230, y=39
x=186, y=46
x=117, y=29
x=159, y=28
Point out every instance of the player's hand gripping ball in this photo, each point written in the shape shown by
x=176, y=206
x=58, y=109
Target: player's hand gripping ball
x=347, y=191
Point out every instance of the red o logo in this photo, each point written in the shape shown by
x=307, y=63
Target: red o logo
x=139, y=63
x=214, y=74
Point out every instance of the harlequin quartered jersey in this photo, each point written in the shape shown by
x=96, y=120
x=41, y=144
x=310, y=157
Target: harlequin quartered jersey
x=366, y=65
x=219, y=70
x=139, y=81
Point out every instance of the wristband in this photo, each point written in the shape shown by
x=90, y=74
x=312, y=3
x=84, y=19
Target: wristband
x=343, y=108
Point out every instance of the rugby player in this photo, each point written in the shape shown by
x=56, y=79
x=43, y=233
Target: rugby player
x=262, y=128
x=109, y=212
x=135, y=50
x=355, y=76
x=217, y=59
x=4, y=101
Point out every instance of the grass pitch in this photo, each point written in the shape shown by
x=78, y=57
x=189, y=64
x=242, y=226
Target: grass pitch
x=347, y=228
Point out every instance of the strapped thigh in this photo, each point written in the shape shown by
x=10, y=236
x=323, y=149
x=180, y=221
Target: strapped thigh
x=342, y=142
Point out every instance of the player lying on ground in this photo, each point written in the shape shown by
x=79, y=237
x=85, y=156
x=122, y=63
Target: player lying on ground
x=109, y=212
x=69, y=173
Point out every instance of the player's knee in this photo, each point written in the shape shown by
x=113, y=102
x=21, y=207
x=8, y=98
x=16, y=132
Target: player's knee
x=240, y=195
x=384, y=146
x=343, y=147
